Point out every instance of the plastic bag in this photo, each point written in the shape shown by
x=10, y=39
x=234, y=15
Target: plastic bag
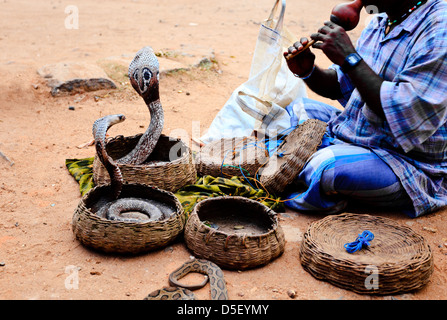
x=259, y=103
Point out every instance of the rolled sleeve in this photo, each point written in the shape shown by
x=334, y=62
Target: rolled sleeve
x=346, y=85
x=415, y=102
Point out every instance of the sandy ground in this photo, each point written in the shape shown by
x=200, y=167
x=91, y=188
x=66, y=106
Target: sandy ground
x=38, y=132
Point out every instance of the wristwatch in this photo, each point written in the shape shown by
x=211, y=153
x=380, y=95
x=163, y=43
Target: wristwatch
x=351, y=61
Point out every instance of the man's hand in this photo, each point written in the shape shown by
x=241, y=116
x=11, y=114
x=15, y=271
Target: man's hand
x=337, y=45
x=303, y=63
x=334, y=42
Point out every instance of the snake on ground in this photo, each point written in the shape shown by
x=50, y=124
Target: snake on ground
x=179, y=291
x=144, y=77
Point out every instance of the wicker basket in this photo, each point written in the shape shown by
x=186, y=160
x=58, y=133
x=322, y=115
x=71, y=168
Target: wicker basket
x=285, y=165
x=248, y=234
x=160, y=170
x=124, y=237
x=231, y=157
x=398, y=259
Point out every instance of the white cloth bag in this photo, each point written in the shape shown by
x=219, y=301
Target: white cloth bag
x=259, y=103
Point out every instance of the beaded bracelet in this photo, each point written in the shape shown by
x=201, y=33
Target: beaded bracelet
x=308, y=76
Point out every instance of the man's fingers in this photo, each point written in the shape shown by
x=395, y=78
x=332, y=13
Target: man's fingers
x=297, y=46
x=330, y=24
x=317, y=45
x=317, y=36
x=292, y=49
x=304, y=41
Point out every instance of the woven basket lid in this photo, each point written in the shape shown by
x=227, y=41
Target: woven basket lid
x=231, y=157
x=284, y=165
x=397, y=259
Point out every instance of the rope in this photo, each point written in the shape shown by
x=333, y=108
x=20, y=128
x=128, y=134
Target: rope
x=361, y=241
x=270, y=150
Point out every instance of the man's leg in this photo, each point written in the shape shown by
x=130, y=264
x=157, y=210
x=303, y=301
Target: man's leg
x=319, y=110
x=314, y=109
x=339, y=173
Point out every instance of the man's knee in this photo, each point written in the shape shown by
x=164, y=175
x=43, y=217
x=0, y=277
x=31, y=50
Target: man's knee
x=366, y=178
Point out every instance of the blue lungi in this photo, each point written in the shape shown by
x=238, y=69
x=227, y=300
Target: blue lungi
x=340, y=172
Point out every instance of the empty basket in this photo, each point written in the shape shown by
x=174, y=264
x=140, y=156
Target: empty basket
x=234, y=232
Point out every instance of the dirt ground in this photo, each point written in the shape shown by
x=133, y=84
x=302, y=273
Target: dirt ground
x=38, y=251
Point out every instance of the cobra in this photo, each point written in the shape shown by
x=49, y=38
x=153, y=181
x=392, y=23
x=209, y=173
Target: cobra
x=144, y=77
x=179, y=291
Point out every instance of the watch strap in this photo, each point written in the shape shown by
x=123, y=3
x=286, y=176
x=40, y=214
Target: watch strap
x=351, y=61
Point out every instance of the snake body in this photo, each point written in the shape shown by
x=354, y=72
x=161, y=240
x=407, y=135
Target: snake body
x=144, y=77
x=171, y=293
x=100, y=128
x=131, y=210
x=212, y=271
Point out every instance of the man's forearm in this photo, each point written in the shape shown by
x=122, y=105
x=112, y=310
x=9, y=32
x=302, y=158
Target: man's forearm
x=324, y=83
x=368, y=83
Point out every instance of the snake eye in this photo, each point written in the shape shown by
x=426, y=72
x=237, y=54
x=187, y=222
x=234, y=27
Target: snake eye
x=135, y=75
x=147, y=75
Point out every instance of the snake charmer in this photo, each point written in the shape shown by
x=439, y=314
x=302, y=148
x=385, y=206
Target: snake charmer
x=387, y=145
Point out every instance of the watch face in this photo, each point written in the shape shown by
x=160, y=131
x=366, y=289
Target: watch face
x=352, y=59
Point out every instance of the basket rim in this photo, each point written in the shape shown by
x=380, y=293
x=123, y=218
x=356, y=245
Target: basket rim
x=213, y=158
x=181, y=160
x=87, y=211
x=215, y=143
x=272, y=214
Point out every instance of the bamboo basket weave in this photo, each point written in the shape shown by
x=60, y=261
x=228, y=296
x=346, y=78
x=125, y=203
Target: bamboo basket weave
x=285, y=165
x=230, y=246
x=125, y=237
x=231, y=157
x=169, y=167
x=398, y=259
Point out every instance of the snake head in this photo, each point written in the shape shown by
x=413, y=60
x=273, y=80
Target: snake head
x=144, y=74
x=103, y=124
x=117, y=118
